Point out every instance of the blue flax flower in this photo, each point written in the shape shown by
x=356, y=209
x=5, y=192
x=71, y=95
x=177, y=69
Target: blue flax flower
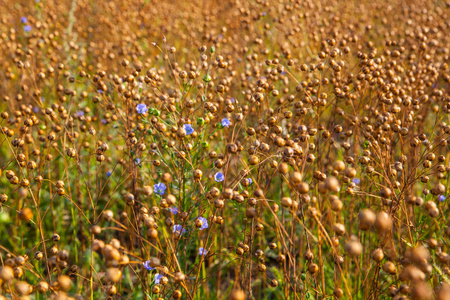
x=219, y=177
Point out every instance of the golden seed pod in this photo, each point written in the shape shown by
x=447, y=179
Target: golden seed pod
x=237, y=295
x=296, y=178
x=286, y=202
x=178, y=277
x=148, y=190
x=23, y=288
x=71, y=152
x=96, y=229
x=313, y=268
x=3, y=198
x=26, y=214
x=65, y=283
x=378, y=255
x=38, y=255
x=6, y=274
x=110, y=290
x=353, y=248
x=332, y=184
x=366, y=219
x=176, y=294
x=166, y=177
x=383, y=222
x=308, y=255
x=197, y=174
x=389, y=267
x=42, y=287
x=113, y=275
x=303, y=187
x=156, y=289
x=339, y=166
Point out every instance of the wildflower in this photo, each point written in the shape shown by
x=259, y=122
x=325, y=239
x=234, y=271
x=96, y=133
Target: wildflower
x=137, y=160
x=219, y=177
x=179, y=228
x=202, y=251
x=23, y=20
x=141, y=108
x=189, y=129
x=174, y=210
x=250, y=181
x=27, y=28
x=101, y=92
x=233, y=100
x=356, y=180
x=226, y=122
x=205, y=223
x=441, y=198
x=103, y=121
x=108, y=173
x=157, y=278
x=159, y=188
x=147, y=265
x=79, y=113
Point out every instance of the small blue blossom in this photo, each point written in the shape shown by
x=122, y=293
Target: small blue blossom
x=226, y=122
x=250, y=181
x=202, y=251
x=356, y=180
x=23, y=20
x=205, y=223
x=174, y=210
x=189, y=129
x=101, y=92
x=108, y=173
x=264, y=13
x=147, y=265
x=219, y=177
x=233, y=100
x=103, y=121
x=141, y=108
x=283, y=73
x=27, y=28
x=179, y=228
x=441, y=198
x=137, y=160
x=79, y=113
x=36, y=109
x=160, y=188
x=157, y=278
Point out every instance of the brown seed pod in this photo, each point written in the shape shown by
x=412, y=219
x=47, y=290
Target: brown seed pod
x=377, y=255
x=26, y=214
x=113, y=275
x=332, y=184
x=366, y=219
x=65, y=283
x=389, y=267
x=237, y=295
x=353, y=248
x=7, y=274
x=42, y=287
x=286, y=202
x=383, y=222
x=23, y=288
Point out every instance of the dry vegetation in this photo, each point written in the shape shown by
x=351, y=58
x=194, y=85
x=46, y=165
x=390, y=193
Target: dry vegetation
x=265, y=149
